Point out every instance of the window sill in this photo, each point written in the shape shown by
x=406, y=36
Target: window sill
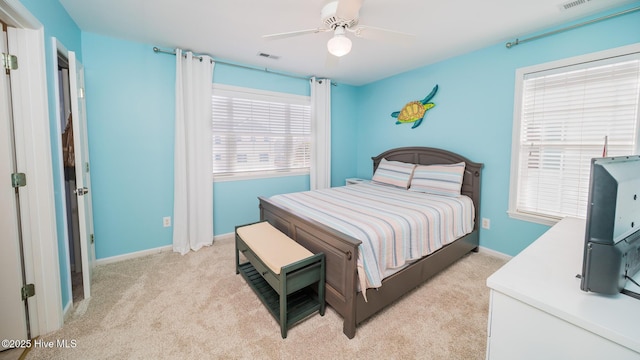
x=539, y=219
x=258, y=175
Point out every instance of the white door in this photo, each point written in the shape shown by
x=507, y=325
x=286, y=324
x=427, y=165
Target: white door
x=13, y=322
x=83, y=181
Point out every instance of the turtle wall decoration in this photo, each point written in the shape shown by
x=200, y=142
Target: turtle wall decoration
x=414, y=111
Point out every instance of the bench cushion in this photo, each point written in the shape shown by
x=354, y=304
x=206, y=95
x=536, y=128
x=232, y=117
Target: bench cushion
x=272, y=246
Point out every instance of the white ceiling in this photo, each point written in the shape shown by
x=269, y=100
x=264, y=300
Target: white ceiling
x=231, y=30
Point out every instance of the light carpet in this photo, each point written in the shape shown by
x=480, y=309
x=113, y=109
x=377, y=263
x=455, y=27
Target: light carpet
x=168, y=306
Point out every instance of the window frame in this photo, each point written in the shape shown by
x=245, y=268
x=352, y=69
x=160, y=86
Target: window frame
x=514, y=179
x=263, y=95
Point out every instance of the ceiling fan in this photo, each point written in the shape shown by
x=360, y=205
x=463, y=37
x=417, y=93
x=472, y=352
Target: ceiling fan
x=340, y=17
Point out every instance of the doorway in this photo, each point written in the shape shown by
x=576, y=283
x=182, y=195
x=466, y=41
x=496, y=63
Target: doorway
x=73, y=155
x=68, y=161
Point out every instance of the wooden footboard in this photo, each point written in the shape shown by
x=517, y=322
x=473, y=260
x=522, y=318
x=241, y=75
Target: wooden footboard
x=341, y=255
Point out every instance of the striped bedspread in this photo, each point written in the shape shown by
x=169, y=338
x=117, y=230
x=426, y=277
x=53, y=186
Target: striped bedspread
x=395, y=226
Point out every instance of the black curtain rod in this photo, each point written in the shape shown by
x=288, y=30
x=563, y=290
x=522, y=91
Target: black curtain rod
x=158, y=50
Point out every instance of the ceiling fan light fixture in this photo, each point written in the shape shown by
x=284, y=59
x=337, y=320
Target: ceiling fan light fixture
x=339, y=45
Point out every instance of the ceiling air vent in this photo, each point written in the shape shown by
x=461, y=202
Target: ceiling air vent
x=572, y=4
x=268, y=56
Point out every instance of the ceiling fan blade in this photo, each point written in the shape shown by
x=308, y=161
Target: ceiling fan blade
x=348, y=9
x=375, y=33
x=292, y=34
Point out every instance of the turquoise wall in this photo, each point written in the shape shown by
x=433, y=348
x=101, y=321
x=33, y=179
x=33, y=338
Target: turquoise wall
x=473, y=115
x=130, y=111
x=130, y=107
x=57, y=23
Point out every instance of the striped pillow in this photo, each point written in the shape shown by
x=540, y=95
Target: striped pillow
x=394, y=173
x=438, y=179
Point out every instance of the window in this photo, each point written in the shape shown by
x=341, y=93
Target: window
x=564, y=113
x=258, y=133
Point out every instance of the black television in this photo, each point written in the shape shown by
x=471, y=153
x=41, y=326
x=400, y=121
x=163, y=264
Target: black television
x=612, y=234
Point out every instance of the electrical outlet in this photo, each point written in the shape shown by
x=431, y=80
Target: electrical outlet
x=166, y=221
x=486, y=223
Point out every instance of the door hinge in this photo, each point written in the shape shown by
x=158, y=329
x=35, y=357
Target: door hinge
x=28, y=291
x=81, y=93
x=9, y=62
x=92, y=238
x=18, y=180
x=86, y=166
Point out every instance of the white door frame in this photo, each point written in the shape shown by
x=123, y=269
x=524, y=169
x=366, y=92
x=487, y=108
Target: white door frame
x=33, y=152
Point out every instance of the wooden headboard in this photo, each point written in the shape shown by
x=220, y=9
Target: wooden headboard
x=429, y=156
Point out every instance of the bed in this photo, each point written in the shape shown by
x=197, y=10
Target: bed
x=343, y=284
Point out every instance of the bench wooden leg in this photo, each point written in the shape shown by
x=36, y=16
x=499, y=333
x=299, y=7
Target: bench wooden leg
x=283, y=305
x=321, y=287
x=237, y=257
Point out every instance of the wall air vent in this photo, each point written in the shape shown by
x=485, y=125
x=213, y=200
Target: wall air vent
x=268, y=56
x=572, y=4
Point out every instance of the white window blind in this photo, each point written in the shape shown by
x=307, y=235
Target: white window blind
x=565, y=115
x=257, y=131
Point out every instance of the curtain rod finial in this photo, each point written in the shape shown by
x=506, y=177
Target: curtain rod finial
x=510, y=44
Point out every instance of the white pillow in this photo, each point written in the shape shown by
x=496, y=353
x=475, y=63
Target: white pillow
x=394, y=173
x=438, y=179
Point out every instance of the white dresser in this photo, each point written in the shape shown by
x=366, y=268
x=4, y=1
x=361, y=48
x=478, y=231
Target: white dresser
x=537, y=310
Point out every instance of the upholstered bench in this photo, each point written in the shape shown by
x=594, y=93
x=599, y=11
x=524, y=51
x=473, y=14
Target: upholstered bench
x=281, y=272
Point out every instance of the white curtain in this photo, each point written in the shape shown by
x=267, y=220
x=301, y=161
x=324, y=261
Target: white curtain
x=193, y=185
x=321, y=134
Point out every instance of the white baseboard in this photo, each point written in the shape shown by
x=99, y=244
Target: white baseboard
x=224, y=237
x=133, y=255
x=66, y=311
x=137, y=254
x=492, y=252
